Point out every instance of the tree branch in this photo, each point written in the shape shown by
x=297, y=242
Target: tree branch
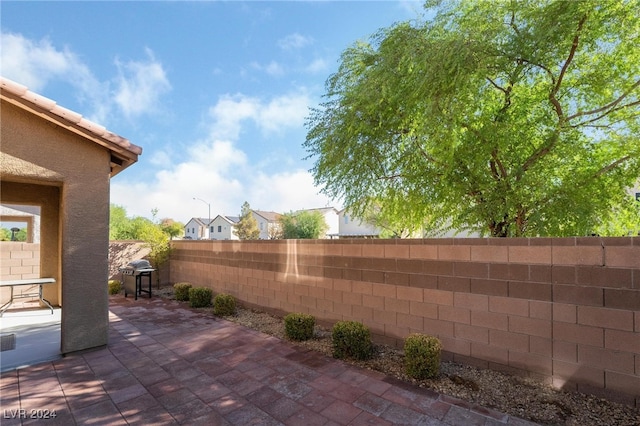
x=611, y=166
x=609, y=106
x=512, y=23
x=563, y=70
x=541, y=152
x=494, y=84
x=496, y=160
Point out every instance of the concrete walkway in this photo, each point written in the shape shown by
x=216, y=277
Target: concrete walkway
x=166, y=364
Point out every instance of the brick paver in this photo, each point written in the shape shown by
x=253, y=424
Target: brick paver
x=167, y=364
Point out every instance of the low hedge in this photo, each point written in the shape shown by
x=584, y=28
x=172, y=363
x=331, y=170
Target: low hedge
x=224, y=305
x=200, y=297
x=181, y=291
x=114, y=286
x=351, y=339
x=299, y=326
x=422, y=356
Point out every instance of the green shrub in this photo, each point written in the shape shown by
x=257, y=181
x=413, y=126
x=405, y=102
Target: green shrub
x=351, y=339
x=422, y=356
x=181, y=291
x=114, y=286
x=298, y=326
x=224, y=305
x=200, y=297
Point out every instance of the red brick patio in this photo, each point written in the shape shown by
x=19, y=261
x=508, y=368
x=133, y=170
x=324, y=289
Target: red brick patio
x=167, y=364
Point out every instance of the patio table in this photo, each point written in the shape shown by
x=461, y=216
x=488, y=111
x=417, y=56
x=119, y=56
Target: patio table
x=26, y=282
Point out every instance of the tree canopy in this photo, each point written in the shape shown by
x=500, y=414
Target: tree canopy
x=510, y=118
x=305, y=224
x=6, y=234
x=247, y=226
x=156, y=235
x=172, y=228
x=123, y=227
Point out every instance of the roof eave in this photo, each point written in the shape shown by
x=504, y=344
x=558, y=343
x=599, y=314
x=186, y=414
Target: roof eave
x=123, y=153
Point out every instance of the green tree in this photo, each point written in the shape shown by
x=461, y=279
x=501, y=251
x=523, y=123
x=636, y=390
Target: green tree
x=159, y=244
x=509, y=118
x=247, y=227
x=392, y=225
x=123, y=227
x=305, y=224
x=172, y=228
x=20, y=235
x=120, y=226
x=5, y=234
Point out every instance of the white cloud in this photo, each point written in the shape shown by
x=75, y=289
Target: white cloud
x=223, y=175
x=140, y=84
x=212, y=174
x=160, y=159
x=173, y=190
x=317, y=66
x=229, y=113
x=282, y=112
x=294, y=41
x=35, y=63
x=285, y=192
x=273, y=68
x=220, y=175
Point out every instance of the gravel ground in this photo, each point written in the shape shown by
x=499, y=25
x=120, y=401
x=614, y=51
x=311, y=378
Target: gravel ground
x=518, y=396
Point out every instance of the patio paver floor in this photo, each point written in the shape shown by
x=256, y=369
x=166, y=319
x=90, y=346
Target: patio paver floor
x=167, y=364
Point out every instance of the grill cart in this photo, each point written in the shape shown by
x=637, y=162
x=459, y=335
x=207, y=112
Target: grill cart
x=132, y=276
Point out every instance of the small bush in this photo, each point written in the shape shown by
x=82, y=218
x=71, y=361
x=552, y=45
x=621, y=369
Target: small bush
x=200, y=297
x=181, y=291
x=114, y=286
x=224, y=305
x=351, y=339
x=422, y=356
x=298, y=326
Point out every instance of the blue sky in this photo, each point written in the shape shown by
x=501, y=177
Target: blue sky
x=216, y=93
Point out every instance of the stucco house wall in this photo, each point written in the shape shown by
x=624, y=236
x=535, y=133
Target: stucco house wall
x=197, y=229
x=351, y=226
x=223, y=228
x=268, y=223
x=53, y=158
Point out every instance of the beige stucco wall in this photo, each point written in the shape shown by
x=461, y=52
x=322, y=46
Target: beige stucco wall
x=47, y=165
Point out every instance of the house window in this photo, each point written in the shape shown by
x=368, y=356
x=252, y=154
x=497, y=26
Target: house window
x=637, y=196
x=211, y=229
x=346, y=219
x=261, y=226
x=219, y=228
x=193, y=230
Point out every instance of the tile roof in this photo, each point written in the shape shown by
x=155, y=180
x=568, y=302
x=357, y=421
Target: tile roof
x=269, y=216
x=123, y=152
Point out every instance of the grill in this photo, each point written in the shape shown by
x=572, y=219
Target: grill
x=136, y=271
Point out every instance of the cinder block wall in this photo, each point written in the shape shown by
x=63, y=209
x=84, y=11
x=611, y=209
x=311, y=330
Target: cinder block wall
x=18, y=261
x=563, y=310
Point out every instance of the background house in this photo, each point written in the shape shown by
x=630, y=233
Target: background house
x=197, y=229
x=268, y=224
x=223, y=227
x=330, y=215
x=353, y=227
